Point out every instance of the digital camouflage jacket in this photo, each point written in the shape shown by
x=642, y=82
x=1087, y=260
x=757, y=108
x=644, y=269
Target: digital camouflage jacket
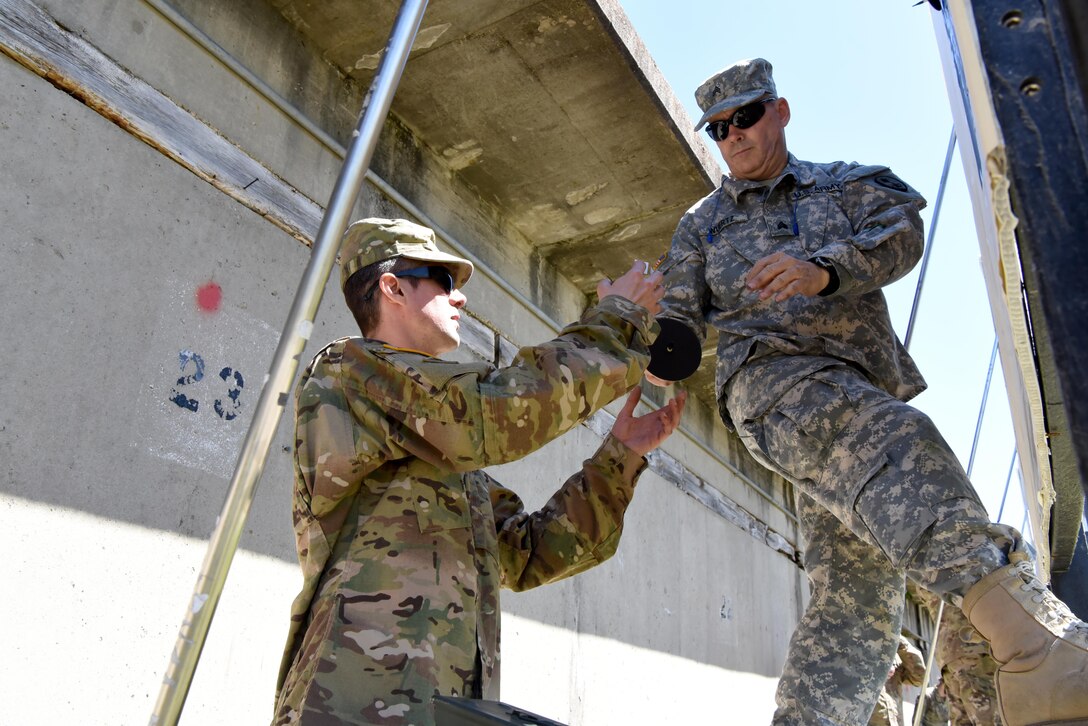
x=862, y=219
x=404, y=543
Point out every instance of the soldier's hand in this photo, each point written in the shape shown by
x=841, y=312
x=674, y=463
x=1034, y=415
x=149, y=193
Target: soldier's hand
x=644, y=433
x=783, y=277
x=636, y=286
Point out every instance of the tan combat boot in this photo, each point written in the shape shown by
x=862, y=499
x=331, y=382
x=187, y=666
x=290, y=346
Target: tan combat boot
x=1041, y=646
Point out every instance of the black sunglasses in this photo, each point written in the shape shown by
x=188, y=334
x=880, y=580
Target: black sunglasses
x=438, y=273
x=743, y=118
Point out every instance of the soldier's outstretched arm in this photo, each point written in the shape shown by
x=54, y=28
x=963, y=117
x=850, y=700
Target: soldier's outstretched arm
x=581, y=524
x=461, y=417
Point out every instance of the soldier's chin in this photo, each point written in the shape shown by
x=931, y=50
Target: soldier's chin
x=454, y=338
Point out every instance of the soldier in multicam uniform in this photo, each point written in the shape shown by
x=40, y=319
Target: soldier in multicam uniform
x=786, y=259
x=908, y=667
x=403, y=542
x=963, y=658
x=935, y=710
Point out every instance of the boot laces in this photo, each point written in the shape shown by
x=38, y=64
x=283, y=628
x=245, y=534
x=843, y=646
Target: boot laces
x=1032, y=583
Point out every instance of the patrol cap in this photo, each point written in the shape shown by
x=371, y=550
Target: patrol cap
x=374, y=239
x=733, y=87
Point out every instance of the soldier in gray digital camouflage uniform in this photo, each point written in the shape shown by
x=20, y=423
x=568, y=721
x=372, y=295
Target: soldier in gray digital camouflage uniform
x=786, y=259
x=403, y=542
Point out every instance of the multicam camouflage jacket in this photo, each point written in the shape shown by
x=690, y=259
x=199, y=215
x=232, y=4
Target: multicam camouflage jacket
x=862, y=219
x=909, y=667
x=404, y=544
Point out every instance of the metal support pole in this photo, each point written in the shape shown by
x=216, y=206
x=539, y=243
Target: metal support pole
x=982, y=409
x=929, y=242
x=1008, y=480
x=920, y=706
x=277, y=387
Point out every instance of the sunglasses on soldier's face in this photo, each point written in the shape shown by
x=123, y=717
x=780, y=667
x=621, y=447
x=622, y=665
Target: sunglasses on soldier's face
x=438, y=273
x=743, y=118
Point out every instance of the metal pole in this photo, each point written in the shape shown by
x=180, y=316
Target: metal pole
x=920, y=704
x=929, y=242
x=275, y=392
x=1008, y=480
x=982, y=409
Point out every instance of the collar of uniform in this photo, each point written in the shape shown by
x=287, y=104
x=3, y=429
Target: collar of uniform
x=736, y=187
x=374, y=343
x=805, y=173
x=405, y=350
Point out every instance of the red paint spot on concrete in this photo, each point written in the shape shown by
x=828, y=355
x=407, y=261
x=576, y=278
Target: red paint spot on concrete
x=208, y=297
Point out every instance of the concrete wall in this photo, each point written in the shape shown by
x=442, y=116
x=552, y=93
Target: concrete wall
x=111, y=482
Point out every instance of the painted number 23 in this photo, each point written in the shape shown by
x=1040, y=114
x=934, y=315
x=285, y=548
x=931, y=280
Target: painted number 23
x=226, y=408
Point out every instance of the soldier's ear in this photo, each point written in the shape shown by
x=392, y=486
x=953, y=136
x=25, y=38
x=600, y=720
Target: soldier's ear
x=389, y=287
x=783, y=110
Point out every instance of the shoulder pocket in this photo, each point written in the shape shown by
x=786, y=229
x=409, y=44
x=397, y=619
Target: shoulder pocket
x=421, y=387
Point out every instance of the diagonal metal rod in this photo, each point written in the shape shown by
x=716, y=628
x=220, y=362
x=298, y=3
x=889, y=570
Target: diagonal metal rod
x=277, y=387
x=982, y=408
x=1008, y=480
x=929, y=242
x=919, y=707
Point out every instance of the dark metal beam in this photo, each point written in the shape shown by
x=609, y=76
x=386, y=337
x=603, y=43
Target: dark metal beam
x=1037, y=77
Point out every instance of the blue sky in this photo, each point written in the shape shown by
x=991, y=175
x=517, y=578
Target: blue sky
x=865, y=83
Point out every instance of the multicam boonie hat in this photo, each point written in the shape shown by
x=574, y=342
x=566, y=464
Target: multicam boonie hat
x=373, y=240
x=734, y=86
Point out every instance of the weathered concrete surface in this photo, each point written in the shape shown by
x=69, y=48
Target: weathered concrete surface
x=111, y=251
x=543, y=115
x=539, y=110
